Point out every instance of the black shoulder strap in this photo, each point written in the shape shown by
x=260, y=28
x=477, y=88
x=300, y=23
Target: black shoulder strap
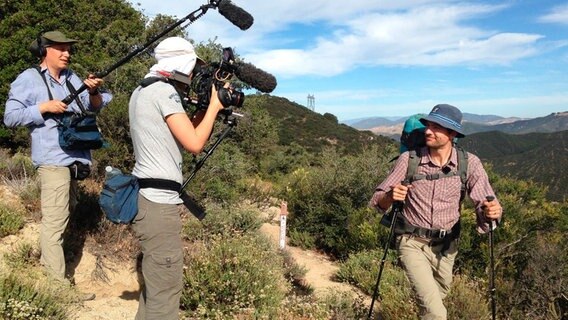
x=150, y=80
x=69, y=86
x=38, y=68
x=73, y=91
x=462, y=170
x=413, y=161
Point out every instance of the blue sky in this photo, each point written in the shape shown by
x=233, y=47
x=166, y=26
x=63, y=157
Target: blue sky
x=366, y=58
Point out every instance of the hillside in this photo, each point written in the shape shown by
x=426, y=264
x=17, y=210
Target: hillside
x=312, y=130
x=541, y=157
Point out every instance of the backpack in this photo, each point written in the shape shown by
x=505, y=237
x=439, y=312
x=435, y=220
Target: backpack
x=412, y=136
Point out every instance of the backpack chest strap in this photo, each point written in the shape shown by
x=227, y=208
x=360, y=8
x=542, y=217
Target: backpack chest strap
x=433, y=176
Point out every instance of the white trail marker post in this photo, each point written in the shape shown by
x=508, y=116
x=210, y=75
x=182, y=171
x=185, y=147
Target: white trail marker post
x=283, y=214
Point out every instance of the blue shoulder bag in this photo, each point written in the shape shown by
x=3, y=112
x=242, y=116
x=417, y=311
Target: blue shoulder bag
x=119, y=198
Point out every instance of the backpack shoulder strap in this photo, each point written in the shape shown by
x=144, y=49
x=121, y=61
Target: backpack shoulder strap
x=413, y=161
x=462, y=170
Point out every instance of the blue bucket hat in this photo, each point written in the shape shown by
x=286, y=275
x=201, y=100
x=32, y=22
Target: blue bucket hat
x=447, y=116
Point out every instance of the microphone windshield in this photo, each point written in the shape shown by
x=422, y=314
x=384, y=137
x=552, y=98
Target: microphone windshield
x=235, y=14
x=256, y=78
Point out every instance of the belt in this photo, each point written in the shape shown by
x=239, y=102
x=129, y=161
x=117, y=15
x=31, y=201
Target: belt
x=430, y=233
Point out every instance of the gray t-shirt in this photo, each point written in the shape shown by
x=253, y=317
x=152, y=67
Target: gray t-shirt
x=157, y=152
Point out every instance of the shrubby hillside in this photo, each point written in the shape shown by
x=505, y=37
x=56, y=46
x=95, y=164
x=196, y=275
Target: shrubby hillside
x=539, y=157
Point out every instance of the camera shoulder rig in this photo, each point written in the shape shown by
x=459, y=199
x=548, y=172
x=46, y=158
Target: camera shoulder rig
x=175, y=75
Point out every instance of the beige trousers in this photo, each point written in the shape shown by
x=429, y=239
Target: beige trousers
x=429, y=273
x=58, y=199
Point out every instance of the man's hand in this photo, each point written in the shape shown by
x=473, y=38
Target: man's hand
x=52, y=106
x=492, y=209
x=399, y=192
x=93, y=83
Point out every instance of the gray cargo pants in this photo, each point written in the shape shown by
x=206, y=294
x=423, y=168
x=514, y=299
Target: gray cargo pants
x=158, y=228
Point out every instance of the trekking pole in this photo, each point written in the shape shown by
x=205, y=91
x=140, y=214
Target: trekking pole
x=492, y=265
x=396, y=209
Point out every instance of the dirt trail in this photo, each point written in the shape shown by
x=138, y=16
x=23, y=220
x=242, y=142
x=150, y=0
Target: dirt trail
x=117, y=298
x=319, y=268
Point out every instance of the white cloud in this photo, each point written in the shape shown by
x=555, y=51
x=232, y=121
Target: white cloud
x=558, y=14
x=435, y=35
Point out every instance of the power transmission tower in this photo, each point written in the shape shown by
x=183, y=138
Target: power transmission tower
x=311, y=102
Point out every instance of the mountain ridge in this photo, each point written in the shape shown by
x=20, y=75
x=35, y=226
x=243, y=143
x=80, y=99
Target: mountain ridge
x=472, y=123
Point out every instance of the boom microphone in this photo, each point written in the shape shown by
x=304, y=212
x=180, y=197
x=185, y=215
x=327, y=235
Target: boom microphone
x=255, y=77
x=235, y=14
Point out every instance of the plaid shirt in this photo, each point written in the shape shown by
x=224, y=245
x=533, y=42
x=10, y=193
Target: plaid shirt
x=434, y=204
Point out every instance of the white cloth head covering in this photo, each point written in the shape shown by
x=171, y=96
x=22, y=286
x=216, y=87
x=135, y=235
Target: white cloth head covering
x=173, y=53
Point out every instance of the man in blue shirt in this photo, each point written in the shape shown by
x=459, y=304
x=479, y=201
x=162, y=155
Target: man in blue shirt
x=34, y=101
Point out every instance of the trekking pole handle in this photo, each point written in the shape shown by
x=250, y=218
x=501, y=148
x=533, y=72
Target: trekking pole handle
x=400, y=203
x=491, y=198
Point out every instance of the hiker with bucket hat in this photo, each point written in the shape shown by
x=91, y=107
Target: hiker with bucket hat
x=429, y=226
x=35, y=101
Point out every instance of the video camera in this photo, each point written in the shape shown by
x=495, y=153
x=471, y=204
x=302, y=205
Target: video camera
x=217, y=74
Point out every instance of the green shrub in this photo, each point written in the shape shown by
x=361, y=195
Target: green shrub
x=303, y=307
x=329, y=201
x=235, y=275
x=345, y=306
x=336, y=306
x=219, y=178
x=24, y=256
x=220, y=221
x=16, y=167
x=301, y=239
x=467, y=299
x=295, y=273
x=20, y=300
x=11, y=220
x=395, y=299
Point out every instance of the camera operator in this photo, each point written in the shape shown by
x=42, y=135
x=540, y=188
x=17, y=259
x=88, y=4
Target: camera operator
x=160, y=130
